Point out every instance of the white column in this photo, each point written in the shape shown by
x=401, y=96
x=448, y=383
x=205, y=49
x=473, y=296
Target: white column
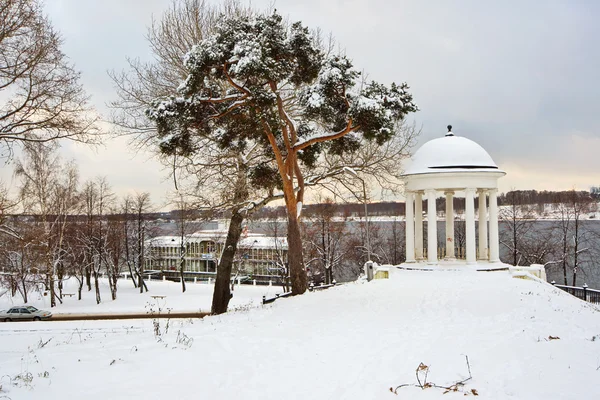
x=494, y=241
x=431, y=228
x=410, y=227
x=449, y=225
x=483, y=242
x=470, y=225
x=419, y=226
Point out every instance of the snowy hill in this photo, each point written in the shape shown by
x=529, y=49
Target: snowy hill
x=523, y=339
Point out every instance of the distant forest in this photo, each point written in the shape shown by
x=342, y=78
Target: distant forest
x=389, y=208
x=394, y=208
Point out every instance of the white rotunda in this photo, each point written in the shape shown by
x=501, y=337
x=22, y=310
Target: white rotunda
x=452, y=165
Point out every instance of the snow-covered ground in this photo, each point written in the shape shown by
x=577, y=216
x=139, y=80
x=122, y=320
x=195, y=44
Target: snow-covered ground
x=166, y=295
x=350, y=342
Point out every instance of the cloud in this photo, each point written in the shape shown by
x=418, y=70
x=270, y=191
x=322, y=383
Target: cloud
x=517, y=77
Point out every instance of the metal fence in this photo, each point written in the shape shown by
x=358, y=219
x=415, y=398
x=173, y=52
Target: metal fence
x=311, y=288
x=584, y=293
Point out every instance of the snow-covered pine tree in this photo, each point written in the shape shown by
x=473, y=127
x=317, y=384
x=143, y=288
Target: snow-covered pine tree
x=259, y=79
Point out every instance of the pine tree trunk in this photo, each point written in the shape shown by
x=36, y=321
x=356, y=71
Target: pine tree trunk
x=296, y=263
x=222, y=293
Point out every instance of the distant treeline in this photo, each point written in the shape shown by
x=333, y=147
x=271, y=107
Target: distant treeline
x=392, y=208
x=389, y=208
x=545, y=196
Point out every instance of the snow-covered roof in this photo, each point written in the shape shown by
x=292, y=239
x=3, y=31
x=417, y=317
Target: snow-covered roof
x=251, y=240
x=450, y=154
x=264, y=242
x=165, y=241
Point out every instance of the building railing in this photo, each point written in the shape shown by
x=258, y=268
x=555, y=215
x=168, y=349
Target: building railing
x=583, y=293
x=209, y=277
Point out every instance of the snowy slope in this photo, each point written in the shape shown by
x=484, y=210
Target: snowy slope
x=349, y=342
x=198, y=297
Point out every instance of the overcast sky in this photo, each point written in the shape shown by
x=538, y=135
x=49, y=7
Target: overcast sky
x=521, y=78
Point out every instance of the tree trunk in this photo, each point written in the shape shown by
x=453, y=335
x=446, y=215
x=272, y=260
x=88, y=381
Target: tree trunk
x=131, y=275
x=24, y=285
x=324, y=250
x=127, y=256
x=222, y=293
x=60, y=273
x=564, y=263
x=88, y=278
x=97, y=287
x=51, y=284
x=181, y=269
x=141, y=238
x=112, y=280
x=298, y=276
x=141, y=281
x=515, y=252
x=79, y=288
x=58, y=298
x=576, y=246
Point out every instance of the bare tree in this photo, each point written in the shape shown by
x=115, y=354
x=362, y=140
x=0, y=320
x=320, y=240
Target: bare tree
x=183, y=25
x=128, y=239
x=80, y=260
x=66, y=201
x=295, y=108
x=185, y=226
x=104, y=202
x=141, y=205
x=518, y=218
x=7, y=204
x=276, y=228
x=113, y=252
x=97, y=199
x=244, y=172
x=21, y=257
x=575, y=237
x=48, y=190
x=324, y=237
x=89, y=196
x=460, y=232
x=41, y=98
x=395, y=244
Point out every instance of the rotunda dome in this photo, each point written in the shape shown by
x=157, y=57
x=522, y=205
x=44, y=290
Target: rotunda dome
x=450, y=154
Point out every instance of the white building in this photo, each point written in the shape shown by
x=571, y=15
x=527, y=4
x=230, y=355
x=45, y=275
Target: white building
x=258, y=256
x=452, y=166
